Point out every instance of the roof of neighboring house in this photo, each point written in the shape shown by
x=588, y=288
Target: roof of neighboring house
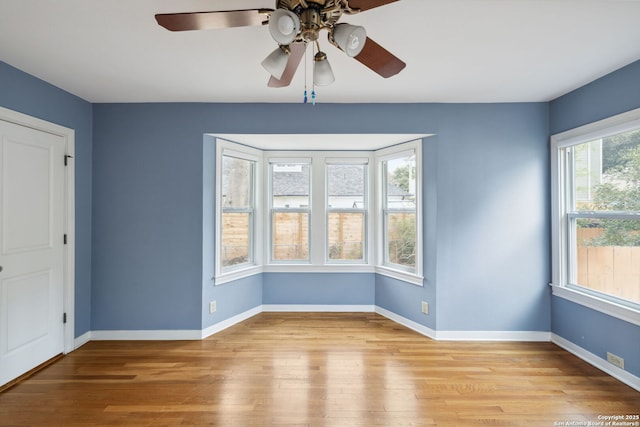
x=349, y=182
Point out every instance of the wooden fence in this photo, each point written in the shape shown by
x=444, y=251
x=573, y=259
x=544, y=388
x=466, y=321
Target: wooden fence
x=346, y=237
x=613, y=270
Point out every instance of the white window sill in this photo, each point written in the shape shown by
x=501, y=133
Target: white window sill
x=327, y=268
x=404, y=276
x=236, y=275
x=602, y=305
x=298, y=268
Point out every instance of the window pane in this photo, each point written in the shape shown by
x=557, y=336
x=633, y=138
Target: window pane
x=235, y=238
x=237, y=211
x=401, y=238
x=236, y=182
x=606, y=173
x=401, y=183
x=400, y=212
x=290, y=185
x=608, y=257
x=290, y=236
x=346, y=236
x=346, y=186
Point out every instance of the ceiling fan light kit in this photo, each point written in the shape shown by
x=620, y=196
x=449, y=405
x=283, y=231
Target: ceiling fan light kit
x=293, y=24
x=284, y=26
x=349, y=38
x=322, y=72
x=277, y=61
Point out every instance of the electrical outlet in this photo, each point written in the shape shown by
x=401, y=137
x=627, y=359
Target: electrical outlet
x=615, y=360
x=212, y=307
x=425, y=307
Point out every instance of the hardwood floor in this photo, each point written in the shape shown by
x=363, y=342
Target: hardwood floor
x=316, y=369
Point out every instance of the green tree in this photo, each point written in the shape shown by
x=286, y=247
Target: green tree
x=401, y=177
x=619, y=192
x=615, y=148
x=402, y=240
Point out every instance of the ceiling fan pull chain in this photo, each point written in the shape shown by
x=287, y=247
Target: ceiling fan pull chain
x=305, y=73
x=313, y=83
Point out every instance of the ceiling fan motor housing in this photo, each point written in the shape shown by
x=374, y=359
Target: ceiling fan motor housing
x=315, y=15
x=310, y=23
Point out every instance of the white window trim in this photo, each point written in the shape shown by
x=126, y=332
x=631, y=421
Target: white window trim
x=366, y=210
x=318, y=263
x=405, y=149
x=222, y=275
x=268, y=227
x=559, y=244
x=318, y=242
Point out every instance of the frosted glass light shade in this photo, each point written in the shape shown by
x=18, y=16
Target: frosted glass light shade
x=350, y=38
x=276, y=62
x=322, y=72
x=284, y=26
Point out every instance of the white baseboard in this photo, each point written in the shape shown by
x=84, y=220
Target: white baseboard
x=220, y=326
x=515, y=336
x=315, y=308
x=620, y=374
x=147, y=335
x=421, y=329
x=82, y=340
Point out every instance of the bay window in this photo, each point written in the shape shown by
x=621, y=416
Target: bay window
x=318, y=211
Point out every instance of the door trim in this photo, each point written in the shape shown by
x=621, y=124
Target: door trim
x=68, y=287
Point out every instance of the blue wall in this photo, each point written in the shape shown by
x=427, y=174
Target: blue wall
x=149, y=177
x=493, y=221
x=320, y=288
x=29, y=95
x=598, y=333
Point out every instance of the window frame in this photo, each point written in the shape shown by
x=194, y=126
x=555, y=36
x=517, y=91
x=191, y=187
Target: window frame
x=411, y=275
x=318, y=250
x=249, y=210
x=224, y=274
x=563, y=250
x=271, y=161
x=365, y=210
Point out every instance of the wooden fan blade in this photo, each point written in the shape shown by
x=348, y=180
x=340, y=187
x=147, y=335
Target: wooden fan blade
x=363, y=5
x=297, y=52
x=380, y=59
x=211, y=20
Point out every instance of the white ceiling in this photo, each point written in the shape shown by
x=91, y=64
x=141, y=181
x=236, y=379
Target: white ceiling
x=455, y=50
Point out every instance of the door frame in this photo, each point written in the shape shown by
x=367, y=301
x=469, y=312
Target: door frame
x=68, y=285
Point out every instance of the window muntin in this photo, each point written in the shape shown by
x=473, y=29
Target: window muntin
x=399, y=211
x=290, y=210
x=602, y=214
x=238, y=205
x=346, y=212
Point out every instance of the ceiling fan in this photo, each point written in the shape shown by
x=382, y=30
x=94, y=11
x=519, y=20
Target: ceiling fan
x=294, y=24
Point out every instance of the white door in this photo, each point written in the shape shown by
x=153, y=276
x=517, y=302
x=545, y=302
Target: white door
x=32, y=191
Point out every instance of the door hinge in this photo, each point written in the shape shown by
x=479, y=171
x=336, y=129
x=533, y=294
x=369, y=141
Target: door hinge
x=66, y=159
x=64, y=239
x=64, y=317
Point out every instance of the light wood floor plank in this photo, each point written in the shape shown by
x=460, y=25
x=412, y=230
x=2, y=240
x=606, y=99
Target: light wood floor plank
x=316, y=369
